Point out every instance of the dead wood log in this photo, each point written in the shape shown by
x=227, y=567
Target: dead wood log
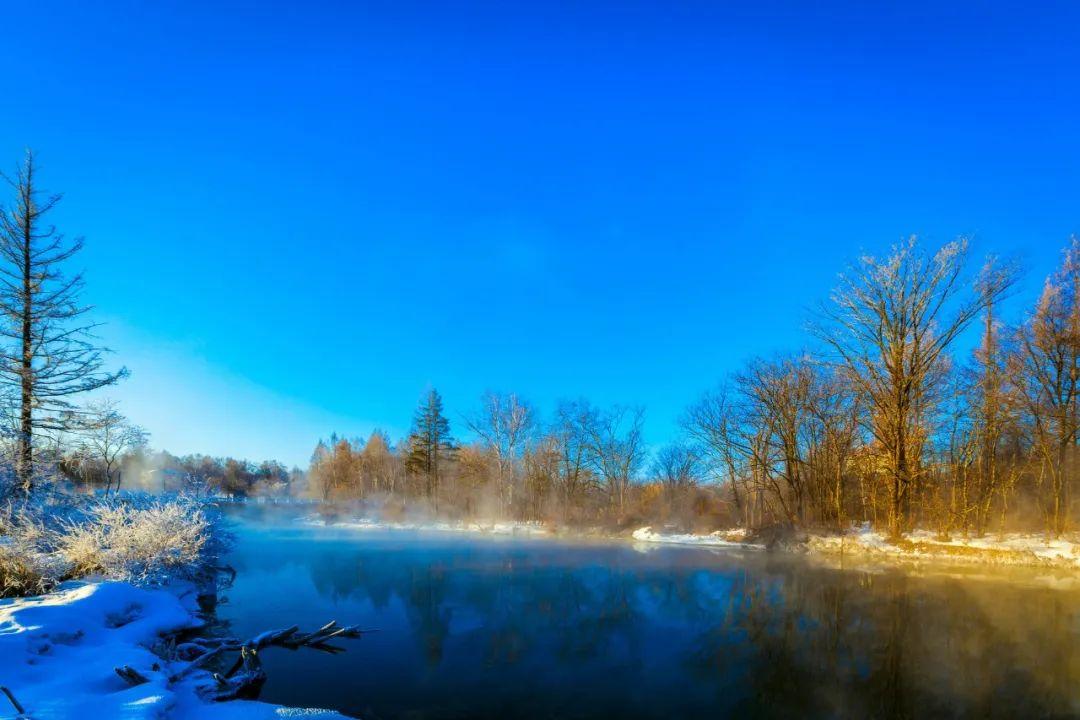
x=246, y=676
x=14, y=703
x=131, y=675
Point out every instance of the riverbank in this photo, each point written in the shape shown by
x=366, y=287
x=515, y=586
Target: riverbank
x=1014, y=549
x=60, y=652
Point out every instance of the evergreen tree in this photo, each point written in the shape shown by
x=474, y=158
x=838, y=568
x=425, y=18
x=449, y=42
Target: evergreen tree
x=431, y=447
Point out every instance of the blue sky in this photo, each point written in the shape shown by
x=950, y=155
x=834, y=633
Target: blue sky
x=298, y=218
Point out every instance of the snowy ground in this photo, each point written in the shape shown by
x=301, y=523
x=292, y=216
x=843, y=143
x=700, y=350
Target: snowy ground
x=59, y=652
x=992, y=549
x=735, y=538
x=1012, y=549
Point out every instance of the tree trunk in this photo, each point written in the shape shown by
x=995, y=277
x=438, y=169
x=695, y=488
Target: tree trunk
x=26, y=431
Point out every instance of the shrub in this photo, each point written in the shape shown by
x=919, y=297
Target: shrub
x=148, y=542
x=138, y=538
x=21, y=575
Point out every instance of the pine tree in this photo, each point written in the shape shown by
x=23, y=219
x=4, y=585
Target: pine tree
x=53, y=356
x=431, y=447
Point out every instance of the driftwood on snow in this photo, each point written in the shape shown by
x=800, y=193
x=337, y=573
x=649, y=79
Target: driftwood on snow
x=246, y=676
x=131, y=675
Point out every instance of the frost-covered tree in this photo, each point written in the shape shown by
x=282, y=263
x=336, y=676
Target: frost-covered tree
x=106, y=436
x=1047, y=367
x=51, y=355
x=890, y=324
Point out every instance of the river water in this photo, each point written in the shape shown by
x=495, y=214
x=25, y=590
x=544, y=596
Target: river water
x=498, y=627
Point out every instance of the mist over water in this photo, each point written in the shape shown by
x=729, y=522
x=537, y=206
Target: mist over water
x=486, y=627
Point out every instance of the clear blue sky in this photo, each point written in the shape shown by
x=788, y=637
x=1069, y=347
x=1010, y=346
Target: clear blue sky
x=299, y=216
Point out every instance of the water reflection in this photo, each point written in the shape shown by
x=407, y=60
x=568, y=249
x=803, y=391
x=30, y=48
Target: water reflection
x=491, y=628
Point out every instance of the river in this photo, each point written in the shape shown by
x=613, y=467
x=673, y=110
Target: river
x=503, y=627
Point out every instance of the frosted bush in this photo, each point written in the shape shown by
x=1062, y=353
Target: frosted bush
x=138, y=538
x=145, y=542
x=22, y=573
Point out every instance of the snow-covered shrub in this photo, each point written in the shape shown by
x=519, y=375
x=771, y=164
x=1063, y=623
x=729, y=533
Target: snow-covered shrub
x=139, y=538
x=148, y=542
x=22, y=574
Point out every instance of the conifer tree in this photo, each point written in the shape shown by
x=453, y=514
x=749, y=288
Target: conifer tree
x=431, y=447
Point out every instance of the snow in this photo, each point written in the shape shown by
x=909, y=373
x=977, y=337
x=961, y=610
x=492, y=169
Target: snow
x=477, y=528
x=58, y=655
x=735, y=538
x=1008, y=549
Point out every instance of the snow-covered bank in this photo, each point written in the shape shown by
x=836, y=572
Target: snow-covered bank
x=735, y=538
x=477, y=528
x=1010, y=549
x=920, y=545
x=59, y=653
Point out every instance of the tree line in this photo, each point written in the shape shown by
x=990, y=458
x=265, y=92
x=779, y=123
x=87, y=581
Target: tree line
x=886, y=417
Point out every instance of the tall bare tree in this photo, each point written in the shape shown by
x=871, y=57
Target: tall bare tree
x=711, y=422
x=377, y=463
x=891, y=321
x=505, y=424
x=571, y=432
x=53, y=355
x=617, y=449
x=1047, y=365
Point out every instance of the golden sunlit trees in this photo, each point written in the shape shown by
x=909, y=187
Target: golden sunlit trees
x=1047, y=367
x=889, y=325
x=877, y=424
x=335, y=470
x=505, y=425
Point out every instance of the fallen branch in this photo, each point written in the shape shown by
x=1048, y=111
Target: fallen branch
x=246, y=676
x=131, y=675
x=14, y=703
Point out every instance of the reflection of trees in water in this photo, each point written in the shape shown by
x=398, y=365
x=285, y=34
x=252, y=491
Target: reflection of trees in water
x=427, y=610
x=761, y=639
x=841, y=644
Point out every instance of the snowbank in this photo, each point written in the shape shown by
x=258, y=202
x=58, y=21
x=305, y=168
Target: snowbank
x=721, y=538
x=59, y=652
x=478, y=528
x=1010, y=549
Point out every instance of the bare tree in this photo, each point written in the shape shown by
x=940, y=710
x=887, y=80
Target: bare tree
x=892, y=320
x=711, y=422
x=777, y=397
x=335, y=469
x=677, y=466
x=571, y=432
x=55, y=356
x=107, y=436
x=505, y=424
x=617, y=449
x=377, y=463
x=1047, y=366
